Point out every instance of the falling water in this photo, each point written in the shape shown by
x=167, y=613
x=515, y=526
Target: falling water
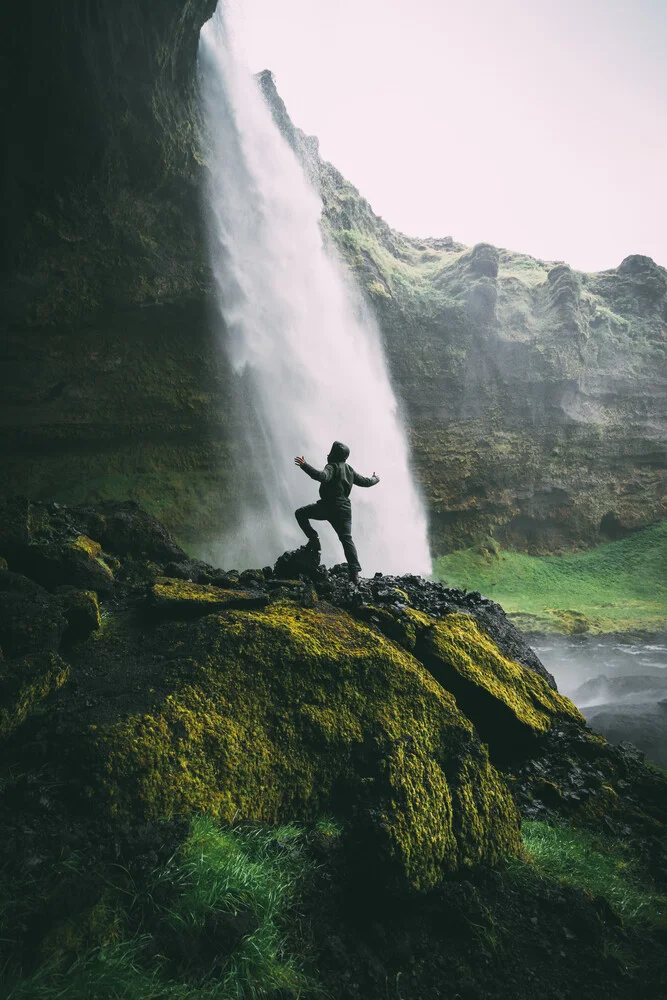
x=306, y=354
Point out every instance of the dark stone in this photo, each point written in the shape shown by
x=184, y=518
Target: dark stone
x=81, y=610
x=76, y=563
x=123, y=527
x=435, y=599
x=303, y=562
x=31, y=619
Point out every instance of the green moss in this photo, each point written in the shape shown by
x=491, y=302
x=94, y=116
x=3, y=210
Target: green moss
x=82, y=543
x=173, y=598
x=505, y=700
x=24, y=683
x=615, y=587
x=292, y=712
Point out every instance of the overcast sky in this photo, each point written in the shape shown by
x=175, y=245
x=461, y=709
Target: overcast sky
x=536, y=125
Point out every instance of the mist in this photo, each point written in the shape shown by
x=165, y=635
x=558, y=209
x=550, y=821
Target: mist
x=619, y=686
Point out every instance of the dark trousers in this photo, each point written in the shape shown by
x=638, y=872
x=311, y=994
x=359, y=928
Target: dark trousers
x=340, y=521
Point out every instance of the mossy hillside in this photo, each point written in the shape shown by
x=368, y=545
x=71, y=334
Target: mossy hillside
x=618, y=586
x=294, y=711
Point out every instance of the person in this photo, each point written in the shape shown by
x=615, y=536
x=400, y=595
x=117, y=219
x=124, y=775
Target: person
x=336, y=481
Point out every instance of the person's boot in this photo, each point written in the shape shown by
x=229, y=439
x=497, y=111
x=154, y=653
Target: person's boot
x=314, y=544
x=354, y=577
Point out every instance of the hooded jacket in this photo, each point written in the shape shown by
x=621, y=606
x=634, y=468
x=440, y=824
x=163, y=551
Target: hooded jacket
x=337, y=477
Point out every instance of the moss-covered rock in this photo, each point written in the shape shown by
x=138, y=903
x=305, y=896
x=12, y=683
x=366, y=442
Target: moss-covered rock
x=76, y=562
x=126, y=528
x=25, y=682
x=174, y=598
x=508, y=703
x=287, y=712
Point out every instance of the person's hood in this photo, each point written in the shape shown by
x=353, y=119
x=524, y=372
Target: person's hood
x=339, y=452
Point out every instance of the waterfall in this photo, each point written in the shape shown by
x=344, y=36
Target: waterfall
x=306, y=353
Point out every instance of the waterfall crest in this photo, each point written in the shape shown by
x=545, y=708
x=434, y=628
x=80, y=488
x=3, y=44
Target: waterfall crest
x=306, y=353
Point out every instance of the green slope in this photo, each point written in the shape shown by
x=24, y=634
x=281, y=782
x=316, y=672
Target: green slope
x=620, y=586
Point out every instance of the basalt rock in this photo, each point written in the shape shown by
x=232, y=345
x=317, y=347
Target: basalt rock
x=302, y=562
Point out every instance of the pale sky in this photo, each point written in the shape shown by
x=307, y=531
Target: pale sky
x=536, y=125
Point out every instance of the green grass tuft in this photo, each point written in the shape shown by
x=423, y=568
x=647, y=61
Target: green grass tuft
x=618, y=586
x=597, y=865
x=213, y=923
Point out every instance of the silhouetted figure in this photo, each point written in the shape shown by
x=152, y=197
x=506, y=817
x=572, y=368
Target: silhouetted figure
x=337, y=479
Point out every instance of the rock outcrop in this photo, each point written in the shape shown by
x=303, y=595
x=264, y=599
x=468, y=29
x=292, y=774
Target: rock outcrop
x=389, y=705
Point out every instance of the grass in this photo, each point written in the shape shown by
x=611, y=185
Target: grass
x=618, y=586
x=597, y=865
x=215, y=922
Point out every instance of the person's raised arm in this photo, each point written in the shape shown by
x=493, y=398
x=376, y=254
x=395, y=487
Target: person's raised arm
x=365, y=480
x=321, y=475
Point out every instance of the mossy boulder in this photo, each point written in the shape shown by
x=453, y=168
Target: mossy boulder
x=125, y=528
x=284, y=713
x=173, y=598
x=24, y=682
x=508, y=703
x=76, y=562
x=82, y=611
x=31, y=619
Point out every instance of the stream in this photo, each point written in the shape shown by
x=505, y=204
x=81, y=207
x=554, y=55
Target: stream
x=619, y=685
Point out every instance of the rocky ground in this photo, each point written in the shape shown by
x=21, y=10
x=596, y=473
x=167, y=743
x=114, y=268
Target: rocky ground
x=405, y=725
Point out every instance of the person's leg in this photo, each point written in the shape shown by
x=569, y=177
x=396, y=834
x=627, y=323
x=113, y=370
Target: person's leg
x=303, y=515
x=342, y=525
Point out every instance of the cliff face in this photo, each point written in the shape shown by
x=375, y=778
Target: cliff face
x=99, y=194
x=532, y=392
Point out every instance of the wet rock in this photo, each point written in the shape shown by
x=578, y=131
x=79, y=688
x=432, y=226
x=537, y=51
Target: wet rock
x=285, y=713
x=509, y=705
x=194, y=570
x=437, y=600
x=642, y=723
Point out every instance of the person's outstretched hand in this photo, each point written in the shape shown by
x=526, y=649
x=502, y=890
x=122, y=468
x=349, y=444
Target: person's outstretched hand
x=299, y=460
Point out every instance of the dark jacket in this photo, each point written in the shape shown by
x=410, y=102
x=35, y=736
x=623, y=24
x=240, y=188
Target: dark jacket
x=337, y=477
